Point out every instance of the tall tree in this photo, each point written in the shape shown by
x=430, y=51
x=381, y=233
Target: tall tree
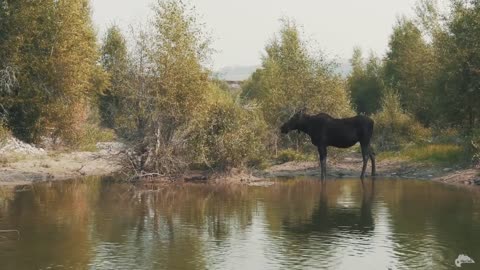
x=51, y=47
x=365, y=82
x=169, y=86
x=26, y=36
x=74, y=56
x=293, y=77
x=458, y=51
x=409, y=68
x=114, y=59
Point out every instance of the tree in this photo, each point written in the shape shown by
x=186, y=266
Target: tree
x=168, y=88
x=292, y=78
x=52, y=48
x=409, y=68
x=24, y=50
x=366, y=83
x=458, y=52
x=114, y=59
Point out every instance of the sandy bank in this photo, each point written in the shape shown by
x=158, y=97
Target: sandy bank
x=19, y=168
x=350, y=167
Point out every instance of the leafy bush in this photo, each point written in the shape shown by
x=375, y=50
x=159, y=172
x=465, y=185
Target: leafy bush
x=395, y=127
x=229, y=135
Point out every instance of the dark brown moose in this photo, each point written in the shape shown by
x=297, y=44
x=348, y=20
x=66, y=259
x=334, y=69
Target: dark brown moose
x=325, y=130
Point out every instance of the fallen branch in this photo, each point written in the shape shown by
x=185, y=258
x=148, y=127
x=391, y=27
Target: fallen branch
x=11, y=231
x=144, y=175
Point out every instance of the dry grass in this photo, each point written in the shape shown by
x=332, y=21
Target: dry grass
x=11, y=158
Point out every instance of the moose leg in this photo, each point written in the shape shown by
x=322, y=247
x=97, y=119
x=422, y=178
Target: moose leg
x=372, y=158
x=365, y=160
x=322, y=151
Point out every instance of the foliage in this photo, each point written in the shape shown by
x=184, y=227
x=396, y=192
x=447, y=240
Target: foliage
x=114, y=59
x=458, y=51
x=172, y=112
x=292, y=78
x=51, y=47
x=410, y=68
x=167, y=88
x=229, y=135
x=366, y=83
x=395, y=127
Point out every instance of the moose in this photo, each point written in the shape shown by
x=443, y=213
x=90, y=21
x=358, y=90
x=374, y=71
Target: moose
x=325, y=131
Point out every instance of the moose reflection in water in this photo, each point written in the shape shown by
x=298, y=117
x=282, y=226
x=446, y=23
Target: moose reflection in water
x=325, y=131
x=352, y=220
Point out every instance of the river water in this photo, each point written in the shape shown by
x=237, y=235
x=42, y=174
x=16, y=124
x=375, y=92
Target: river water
x=292, y=224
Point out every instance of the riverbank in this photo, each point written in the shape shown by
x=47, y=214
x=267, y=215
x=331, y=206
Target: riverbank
x=36, y=165
x=350, y=167
x=23, y=167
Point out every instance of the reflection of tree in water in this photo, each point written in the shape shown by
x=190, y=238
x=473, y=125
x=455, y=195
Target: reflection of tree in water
x=170, y=224
x=432, y=223
x=93, y=222
x=190, y=226
x=53, y=220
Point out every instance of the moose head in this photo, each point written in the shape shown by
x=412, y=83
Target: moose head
x=294, y=122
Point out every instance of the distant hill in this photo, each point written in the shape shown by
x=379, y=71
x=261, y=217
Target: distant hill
x=236, y=73
x=344, y=68
x=241, y=73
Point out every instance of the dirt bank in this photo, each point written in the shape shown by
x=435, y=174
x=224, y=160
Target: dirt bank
x=350, y=166
x=18, y=167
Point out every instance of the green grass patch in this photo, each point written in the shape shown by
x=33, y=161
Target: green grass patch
x=431, y=153
x=92, y=136
x=288, y=155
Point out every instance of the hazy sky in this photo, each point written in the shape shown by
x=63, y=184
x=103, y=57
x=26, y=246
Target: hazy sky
x=241, y=28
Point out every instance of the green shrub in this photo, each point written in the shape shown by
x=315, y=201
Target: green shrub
x=394, y=127
x=229, y=135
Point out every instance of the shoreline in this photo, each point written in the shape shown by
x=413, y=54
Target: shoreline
x=26, y=170
x=23, y=169
x=350, y=167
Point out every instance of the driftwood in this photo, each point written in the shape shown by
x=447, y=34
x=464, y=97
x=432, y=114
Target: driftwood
x=11, y=231
x=140, y=176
